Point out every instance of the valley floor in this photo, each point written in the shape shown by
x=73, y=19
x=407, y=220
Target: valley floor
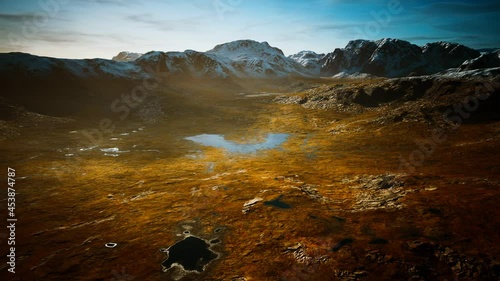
x=354, y=194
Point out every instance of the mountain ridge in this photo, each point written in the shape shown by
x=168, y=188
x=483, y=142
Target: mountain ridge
x=395, y=58
x=251, y=59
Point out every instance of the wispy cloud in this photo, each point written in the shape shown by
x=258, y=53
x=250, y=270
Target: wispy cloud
x=461, y=8
x=121, y=3
x=100, y=27
x=15, y=18
x=426, y=38
x=151, y=21
x=334, y=26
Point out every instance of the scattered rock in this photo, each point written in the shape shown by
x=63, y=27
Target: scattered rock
x=238, y=278
x=291, y=100
x=299, y=253
x=378, y=192
x=350, y=275
x=313, y=193
x=467, y=267
x=360, y=273
x=248, y=205
x=378, y=257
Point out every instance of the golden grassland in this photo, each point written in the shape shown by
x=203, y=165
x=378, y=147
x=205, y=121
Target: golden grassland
x=69, y=207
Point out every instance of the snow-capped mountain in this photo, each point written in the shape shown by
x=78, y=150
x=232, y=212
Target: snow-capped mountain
x=188, y=63
x=489, y=60
x=23, y=64
x=252, y=59
x=444, y=55
x=237, y=59
x=351, y=59
x=309, y=60
x=395, y=58
x=126, y=56
x=248, y=58
x=487, y=50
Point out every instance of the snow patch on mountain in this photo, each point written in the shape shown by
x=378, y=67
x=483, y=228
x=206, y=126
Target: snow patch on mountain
x=489, y=60
x=188, y=63
x=356, y=75
x=248, y=58
x=309, y=60
x=30, y=65
x=252, y=59
x=467, y=74
x=395, y=58
x=126, y=56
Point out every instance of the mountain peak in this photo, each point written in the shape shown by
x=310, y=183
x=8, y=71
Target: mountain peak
x=126, y=56
x=309, y=60
x=386, y=57
x=245, y=47
x=395, y=57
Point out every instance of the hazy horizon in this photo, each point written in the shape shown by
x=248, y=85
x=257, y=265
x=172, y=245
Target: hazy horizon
x=103, y=28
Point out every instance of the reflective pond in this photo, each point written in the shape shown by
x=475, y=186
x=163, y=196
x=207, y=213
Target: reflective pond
x=270, y=142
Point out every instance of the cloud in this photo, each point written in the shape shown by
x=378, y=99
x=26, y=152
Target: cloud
x=426, y=38
x=335, y=26
x=457, y=9
x=144, y=18
x=121, y=3
x=476, y=27
x=336, y=2
x=15, y=18
x=149, y=20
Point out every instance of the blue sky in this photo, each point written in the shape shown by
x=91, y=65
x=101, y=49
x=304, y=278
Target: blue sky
x=102, y=28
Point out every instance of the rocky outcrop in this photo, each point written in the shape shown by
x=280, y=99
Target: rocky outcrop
x=395, y=58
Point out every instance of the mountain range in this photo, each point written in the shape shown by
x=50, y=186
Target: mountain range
x=251, y=59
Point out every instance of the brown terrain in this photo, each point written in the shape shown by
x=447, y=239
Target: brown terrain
x=378, y=180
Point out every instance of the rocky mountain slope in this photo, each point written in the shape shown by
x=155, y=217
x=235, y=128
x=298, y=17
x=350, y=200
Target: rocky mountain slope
x=309, y=60
x=237, y=59
x=395, y=58
x=33, y=81
x=248, y=58
x=488, y=60
x=126, y=56
x=22, y=65
x=188, y=63
x=251, y=59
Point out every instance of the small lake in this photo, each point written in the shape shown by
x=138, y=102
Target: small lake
x=271, y=141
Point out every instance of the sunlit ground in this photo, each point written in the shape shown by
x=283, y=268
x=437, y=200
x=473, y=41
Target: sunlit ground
x=146, y=184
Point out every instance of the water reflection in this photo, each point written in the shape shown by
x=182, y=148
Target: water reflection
x=270, y=142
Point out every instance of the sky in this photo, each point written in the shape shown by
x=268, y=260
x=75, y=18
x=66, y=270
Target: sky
x=103, y=28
